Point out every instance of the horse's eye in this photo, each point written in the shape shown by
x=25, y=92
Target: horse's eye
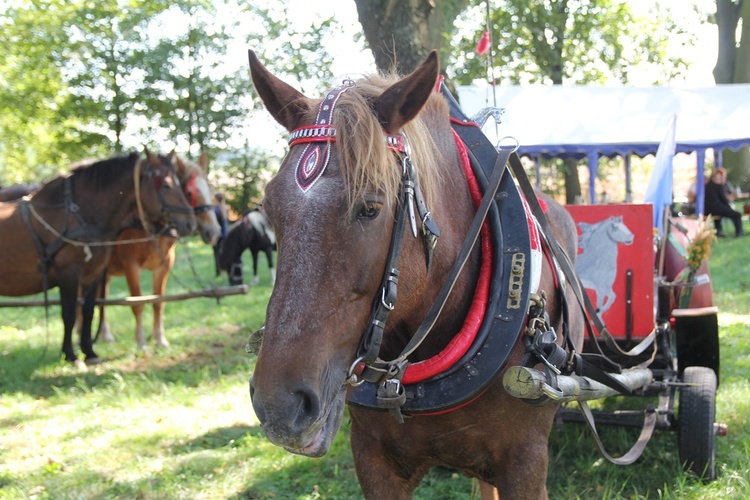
x=368, y=211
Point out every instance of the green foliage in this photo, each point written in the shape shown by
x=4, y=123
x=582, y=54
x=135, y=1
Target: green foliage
x=187, y=86
x=31, y=90
x=243, y=174
x=558, y=41
x=83, y=79
x=305, y=62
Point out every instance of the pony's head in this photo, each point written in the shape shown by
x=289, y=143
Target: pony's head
x=332, y=207
x=193, y=177
x=159, y=195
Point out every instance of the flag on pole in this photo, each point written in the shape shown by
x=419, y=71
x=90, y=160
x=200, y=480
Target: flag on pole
x=659, y=190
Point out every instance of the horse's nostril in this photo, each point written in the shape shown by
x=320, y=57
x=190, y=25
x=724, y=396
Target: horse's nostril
x=309, y=406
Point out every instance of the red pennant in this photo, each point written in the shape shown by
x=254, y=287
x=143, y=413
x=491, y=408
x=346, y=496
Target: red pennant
x=484, y=43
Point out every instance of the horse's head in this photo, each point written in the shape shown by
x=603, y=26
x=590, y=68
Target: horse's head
x=618, y=231
x=193, y=177
x=159, y=194
x=332, y=207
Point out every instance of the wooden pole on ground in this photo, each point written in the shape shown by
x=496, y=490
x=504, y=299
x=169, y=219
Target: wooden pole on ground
x=143, y=299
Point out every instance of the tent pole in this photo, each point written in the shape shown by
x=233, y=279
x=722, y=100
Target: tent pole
x=593, y=167
x=628, y=180
x=538, y=172
x=700, y=183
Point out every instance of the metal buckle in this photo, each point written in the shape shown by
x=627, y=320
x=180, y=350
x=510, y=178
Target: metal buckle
x=388, y=306
x=351, y=378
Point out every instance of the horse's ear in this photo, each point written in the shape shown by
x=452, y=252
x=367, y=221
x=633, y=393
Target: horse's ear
x=401, y=102
x=285, y=104
x=153, y=160
x=178, y=163
x=203, y=162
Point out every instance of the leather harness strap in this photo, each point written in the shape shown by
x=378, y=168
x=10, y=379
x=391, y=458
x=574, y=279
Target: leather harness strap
x=649, y=424
x=374, y=372
x=582, y=297
x=586, y=364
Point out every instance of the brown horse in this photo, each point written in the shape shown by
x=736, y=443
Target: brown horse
x=63, y=235
x=334, y=205
x=158, y=255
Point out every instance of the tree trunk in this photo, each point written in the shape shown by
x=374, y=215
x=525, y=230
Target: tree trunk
x=727, y=16
x=733, y=66
x=401, y=33
x=572, y=182
x=396, y=32
x=742, y=55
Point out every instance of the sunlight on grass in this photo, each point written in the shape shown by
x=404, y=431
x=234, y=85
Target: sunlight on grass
x=179, y=423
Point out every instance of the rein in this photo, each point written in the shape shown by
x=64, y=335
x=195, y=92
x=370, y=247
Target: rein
x=393, y=371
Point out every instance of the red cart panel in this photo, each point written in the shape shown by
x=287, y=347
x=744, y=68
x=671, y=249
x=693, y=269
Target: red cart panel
x=616, y=265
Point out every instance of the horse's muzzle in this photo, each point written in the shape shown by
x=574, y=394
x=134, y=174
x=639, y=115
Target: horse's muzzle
x=184, y=227
x=295, y=420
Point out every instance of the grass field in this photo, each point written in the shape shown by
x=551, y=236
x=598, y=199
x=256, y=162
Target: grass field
x=179, y=424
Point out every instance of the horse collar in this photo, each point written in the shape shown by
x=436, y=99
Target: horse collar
x=454, y=379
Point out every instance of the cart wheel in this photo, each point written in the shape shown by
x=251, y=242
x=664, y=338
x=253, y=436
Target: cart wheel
x=697, y=436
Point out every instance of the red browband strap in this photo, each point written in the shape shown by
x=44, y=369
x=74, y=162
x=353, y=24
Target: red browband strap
x=327, y=133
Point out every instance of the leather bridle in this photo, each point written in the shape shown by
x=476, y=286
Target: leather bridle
x=190, y=191
x=158, y=179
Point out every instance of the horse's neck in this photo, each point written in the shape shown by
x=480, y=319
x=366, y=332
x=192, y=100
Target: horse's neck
x=596, y=246
x=595, y=234
x=236, y=243
x=111, y=208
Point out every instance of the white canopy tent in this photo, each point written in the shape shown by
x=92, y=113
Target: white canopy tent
x=590, y=122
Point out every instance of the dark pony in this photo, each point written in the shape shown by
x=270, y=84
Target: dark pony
x=62, y=236
x=334, y=205
x=252, y=232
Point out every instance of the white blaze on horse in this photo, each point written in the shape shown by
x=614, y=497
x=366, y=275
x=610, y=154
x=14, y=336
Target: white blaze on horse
x=373, y=175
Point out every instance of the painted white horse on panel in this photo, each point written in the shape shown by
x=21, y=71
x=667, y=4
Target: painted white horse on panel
x=597, y=264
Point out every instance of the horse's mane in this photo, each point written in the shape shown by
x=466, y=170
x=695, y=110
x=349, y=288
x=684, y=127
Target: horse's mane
x=360, y=135
x=102, y=173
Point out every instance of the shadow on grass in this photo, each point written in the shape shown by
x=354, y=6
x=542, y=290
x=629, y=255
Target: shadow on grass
x=218, y=438
x=332, y=476
x=40, y=373
x=578, y=470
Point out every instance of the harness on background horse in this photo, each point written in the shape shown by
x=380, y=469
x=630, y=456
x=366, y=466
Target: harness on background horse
x=79, y=235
